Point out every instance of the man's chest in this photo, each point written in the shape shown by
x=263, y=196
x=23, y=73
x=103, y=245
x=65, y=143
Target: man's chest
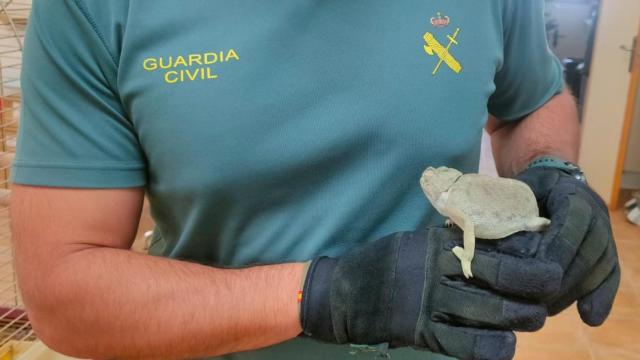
x=223, y=83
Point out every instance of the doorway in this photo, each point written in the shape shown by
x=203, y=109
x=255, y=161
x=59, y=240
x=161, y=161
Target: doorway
x=609, y=100
x=571, y=28
x=626, y=187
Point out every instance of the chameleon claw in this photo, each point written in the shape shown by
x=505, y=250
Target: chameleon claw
x=465, y=262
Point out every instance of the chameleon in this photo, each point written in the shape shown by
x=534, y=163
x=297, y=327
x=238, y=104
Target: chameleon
x=483, y=206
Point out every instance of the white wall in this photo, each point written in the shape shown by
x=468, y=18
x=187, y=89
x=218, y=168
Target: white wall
x=487, y=162
x=607, y=93
x=631, y=174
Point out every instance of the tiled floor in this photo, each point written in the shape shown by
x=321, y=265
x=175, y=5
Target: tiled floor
x=566, y=337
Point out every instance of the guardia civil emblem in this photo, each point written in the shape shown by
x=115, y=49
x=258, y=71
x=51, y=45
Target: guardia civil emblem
x=435, y=48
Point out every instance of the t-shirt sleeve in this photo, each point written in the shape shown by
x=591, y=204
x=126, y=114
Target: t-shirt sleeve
x=530, y=74
x=74, y=131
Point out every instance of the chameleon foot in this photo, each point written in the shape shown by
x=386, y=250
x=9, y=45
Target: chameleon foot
x=465, y=261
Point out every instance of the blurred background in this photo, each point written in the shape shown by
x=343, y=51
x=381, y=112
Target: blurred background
x=597, y=42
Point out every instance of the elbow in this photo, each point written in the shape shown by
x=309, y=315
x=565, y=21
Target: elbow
x=55, y=336
x=58, y=330
x=56, y=316
x=60, y=310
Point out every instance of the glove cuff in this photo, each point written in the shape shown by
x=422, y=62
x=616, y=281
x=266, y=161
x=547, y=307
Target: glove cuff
x=407, y=302
x=315, y=310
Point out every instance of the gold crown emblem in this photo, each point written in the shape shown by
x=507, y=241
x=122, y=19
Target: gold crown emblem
x=440, y=21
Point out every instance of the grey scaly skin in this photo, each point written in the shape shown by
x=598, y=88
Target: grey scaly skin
x=482, y=206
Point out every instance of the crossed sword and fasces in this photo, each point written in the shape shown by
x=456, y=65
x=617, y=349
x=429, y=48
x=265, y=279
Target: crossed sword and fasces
x=434, y=47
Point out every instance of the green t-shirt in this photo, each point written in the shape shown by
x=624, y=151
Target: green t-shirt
x=274, y=131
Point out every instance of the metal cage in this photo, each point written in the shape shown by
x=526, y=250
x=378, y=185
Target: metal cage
x=17, y=339
x=16, y=334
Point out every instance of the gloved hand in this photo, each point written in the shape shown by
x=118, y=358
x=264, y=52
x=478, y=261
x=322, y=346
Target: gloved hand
x=407, y=289
x=579, y=239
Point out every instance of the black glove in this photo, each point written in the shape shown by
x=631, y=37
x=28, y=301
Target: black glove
x=407, y=289
x=579, y=239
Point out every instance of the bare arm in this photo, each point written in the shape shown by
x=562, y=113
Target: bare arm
x=551, y=130
x=88, y=295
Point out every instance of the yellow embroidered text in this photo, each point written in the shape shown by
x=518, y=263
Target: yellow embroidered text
x=191, y=67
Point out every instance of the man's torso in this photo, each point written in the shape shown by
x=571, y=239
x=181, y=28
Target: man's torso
x=278, y=131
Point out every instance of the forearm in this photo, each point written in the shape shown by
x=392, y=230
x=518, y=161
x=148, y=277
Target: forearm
x=552, y=130
x=113, y=303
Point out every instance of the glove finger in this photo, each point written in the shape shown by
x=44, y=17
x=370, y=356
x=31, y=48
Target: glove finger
x=527, y=278
x=595, y=307
x=597, y=274
x=471, y=344
x=597, y=250
x=598, y=240
x=570, y=221
x=601, y=270
x=458, y=302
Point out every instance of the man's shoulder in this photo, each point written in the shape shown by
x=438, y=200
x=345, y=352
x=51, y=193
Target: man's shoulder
x=90, y=7
x=103, y=7
x=107, y=18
